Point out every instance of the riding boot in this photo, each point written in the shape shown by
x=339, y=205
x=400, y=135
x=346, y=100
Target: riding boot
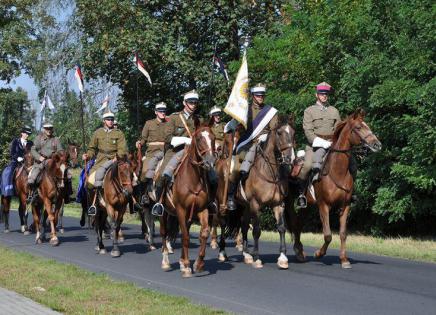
x=145, y=199
x=213, y=184
x=33, y=194
x=92, y=210
x=69, y=190
x=158, y=208
x=231, y=204
x=301, y=200
x=243, y=175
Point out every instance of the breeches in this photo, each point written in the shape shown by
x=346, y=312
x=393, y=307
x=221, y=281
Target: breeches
x=96, y=178
x=149, y=165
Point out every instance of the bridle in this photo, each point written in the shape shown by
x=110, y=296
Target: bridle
x=120, y=184
x=199, y=153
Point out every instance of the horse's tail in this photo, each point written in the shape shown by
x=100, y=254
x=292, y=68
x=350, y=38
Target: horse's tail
x=233, y=223
x=172, y=228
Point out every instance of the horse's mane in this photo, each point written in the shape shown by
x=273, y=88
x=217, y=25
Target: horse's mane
x=339, y=128
x=283, y=119
x=114, y=171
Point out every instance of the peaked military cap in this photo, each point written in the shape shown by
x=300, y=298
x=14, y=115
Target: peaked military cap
x=191, y=96
x=26, y=129
x=47, y=124
x=160, y=107
x=323, y=88
x=258, y=89
x=215, y=110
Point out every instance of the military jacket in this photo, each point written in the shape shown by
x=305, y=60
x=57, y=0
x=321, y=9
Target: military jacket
x=154, y=134
x=45, y=146
x=320, y=121
x=105, y=144
x=218, y=131
x=176, y=128
x=253, y=111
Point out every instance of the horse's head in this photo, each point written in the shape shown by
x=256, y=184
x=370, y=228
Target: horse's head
x=73, y=153
x=284, y=139
x=123, y=174
x=28, y=159
x=361, y=134
x=203, y=144
x=56, y=167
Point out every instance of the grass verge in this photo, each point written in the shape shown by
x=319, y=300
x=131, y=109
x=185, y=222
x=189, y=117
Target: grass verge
x=72, y=290
x=400, y=247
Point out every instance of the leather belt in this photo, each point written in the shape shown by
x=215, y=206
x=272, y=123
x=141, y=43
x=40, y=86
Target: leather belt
x=156, y=143
x=106, y=152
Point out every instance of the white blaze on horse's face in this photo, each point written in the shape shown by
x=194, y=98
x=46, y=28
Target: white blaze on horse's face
x=62, y=167
x=206, y=135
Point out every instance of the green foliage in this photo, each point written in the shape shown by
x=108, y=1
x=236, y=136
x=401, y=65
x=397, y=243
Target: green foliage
x=378, y=55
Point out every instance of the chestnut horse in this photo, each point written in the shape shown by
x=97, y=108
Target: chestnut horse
x=267, y=186
x=117, y=191
x=21, y=190
x=50, y=199
x=189, y=197
x=335, y=186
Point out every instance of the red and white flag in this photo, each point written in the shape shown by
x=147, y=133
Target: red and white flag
x=79, y=77
x=104, y=104
x=140, y=66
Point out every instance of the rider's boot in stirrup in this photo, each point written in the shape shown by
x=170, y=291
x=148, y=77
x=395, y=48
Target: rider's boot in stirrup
x=158, y=208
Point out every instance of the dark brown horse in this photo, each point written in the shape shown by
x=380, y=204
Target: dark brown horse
x=21, y=190
x=266, y=186
x=335, y=186
x=117, y=187
x=50, y=198
x=189, y=197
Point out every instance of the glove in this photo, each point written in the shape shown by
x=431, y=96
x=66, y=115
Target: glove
x=20, y=159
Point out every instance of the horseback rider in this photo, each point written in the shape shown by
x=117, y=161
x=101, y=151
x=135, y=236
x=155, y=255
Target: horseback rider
x=218, y=127
x=45, y=145
x=153, y=135
x=179, y=128
x=107, y=143
x=319, y=124
x=18, y=149
x=260, y=120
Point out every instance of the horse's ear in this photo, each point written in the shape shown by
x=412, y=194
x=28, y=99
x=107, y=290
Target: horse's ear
x=359, y=113
x=291, y=120
x=211, y=122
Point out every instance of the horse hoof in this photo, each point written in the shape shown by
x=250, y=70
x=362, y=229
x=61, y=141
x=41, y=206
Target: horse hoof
x=54, y=241
x=6, y=231
x=152, y=247
x=346, y=265
x=62, y=231
x=23, y=229
x=102, y=251
x=282, y=261
x=239, y=248
x=257, y=264
x=170, y=251
x=165, y=266
x=97, y=248
x=187, y=273
x=38, y=241
x=115, y=253
x=198, y=267
x=26, y=233
x=222, y=257
x=213, y=244
x=317, y=255
x=248, y=259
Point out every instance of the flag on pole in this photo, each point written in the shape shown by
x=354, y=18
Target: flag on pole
x=218, y=63
x=237, y=105
x=104, y=104
x=79, y=77
x=140, y=65
x=46, y=101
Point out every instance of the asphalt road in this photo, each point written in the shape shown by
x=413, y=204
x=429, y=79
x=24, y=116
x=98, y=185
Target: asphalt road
x=375, y=285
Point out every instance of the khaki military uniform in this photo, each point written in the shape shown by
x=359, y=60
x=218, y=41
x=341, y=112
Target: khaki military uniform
x=105, y=144
x=176, y=128
x=218, y=131
x=247, y=153
x=43, y=147
x=154, y=136
x=319, y=121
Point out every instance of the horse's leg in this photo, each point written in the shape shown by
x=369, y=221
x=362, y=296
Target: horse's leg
x=325, y=220
x=165, y=265
x=245, y=224
x=149, y=222
x=238, y=242
x=203, y=217
x=222, y=256
x=61, y=216
x=23, y=212
x=99, y=223
x=282, y=261
x=37, y=224
x=345, y=263
x=257, y=262
x=185, y=266
x=51, y=217
x=214, y=234
x=296, y=225
x=6, y=204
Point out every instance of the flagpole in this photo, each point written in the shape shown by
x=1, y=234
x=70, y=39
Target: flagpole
x=137, y=103
x=213, y=75
x=82, y=121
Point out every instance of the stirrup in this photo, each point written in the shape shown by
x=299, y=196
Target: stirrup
x=301, y=202
x=92, y=211
x=158, y=209
x=231, y=205
x=145, y=199
x=137, y=207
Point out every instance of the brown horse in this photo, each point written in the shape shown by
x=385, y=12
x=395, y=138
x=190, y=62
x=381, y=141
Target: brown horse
x=266, y=186
x=50, y=198
x=189, y=197
x=21, y=189
x=117, y=187
x=335, y=186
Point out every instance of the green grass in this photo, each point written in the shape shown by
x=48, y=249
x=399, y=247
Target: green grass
x=73, y=290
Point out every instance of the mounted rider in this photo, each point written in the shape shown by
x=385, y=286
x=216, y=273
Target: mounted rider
x=260, y=120
x=180, y=127
x=215, y=113
x=18, y=149
x=319, y=124
x=107, y=143
x=45, y=145
x=154, y=135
